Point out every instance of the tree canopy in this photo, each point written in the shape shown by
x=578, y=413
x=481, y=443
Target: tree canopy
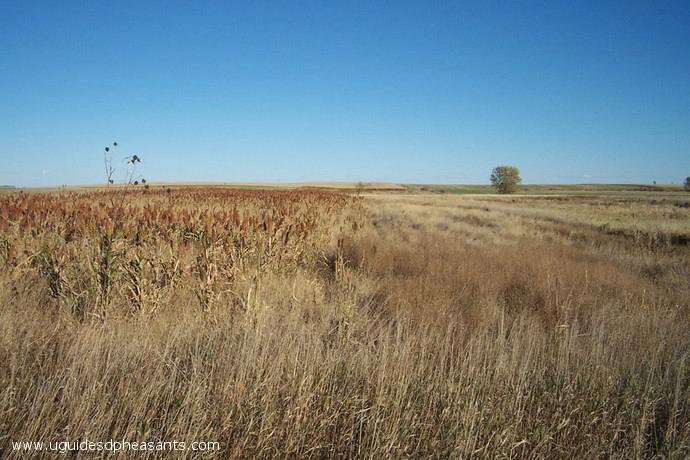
x=505, y=178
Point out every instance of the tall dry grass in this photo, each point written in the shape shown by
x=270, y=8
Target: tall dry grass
x=422, y=327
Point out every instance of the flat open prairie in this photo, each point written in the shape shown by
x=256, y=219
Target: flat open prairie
x=310, y=323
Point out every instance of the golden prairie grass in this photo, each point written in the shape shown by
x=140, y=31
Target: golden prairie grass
x=389, y=326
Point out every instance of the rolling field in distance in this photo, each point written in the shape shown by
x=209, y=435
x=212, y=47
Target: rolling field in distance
x=321, y=322
x=556, y=189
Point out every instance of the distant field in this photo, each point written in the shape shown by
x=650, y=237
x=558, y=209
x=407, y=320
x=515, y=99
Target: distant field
x=543, y=189
x=297, y=185
x=340, y=186
x=456, y=189
x=309, y=321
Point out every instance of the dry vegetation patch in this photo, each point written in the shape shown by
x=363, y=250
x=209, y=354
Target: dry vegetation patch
x=319, y=324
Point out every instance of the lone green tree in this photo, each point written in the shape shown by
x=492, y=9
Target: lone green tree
x=505, y=178
x=686, y=184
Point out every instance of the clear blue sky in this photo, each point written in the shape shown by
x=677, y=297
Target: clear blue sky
x=569, y=91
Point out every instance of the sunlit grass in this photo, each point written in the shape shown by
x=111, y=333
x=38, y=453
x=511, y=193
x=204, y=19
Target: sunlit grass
x=389, y=326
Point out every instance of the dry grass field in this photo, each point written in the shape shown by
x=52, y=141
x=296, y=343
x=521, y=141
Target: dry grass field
x=312, y=324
